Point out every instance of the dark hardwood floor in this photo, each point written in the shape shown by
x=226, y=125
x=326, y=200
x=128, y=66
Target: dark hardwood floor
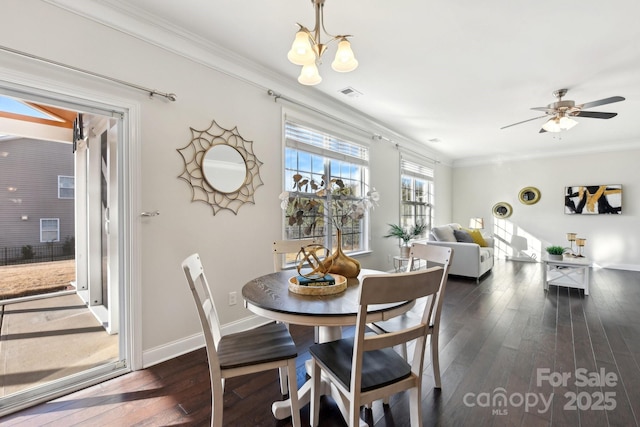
x=504, y=344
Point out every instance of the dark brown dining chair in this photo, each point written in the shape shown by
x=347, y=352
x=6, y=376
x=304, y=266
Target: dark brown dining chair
x=365, y=368
x=266, y=347
x=433, y=255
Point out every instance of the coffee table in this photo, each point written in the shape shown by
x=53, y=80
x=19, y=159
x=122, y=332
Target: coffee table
x=572, y=272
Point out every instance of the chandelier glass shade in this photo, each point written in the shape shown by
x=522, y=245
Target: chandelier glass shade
x=558, y=123
x=307, y=50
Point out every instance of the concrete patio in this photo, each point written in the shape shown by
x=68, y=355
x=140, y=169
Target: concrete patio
x=46, y=339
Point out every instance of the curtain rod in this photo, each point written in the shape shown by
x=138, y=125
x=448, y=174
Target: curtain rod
x=170, y=96
x=373, y=136
x=277, y=96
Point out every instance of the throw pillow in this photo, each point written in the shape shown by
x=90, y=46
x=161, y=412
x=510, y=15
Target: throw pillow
x=477, y=238
x=444, y=233
x=463, y=236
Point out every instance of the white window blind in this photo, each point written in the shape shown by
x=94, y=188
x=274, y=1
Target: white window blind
x=318, y=142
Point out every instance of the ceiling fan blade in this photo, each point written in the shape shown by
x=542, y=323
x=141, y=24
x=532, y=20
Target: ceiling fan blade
x=594, y=114
x=547, y=109
x=609, y=100
x=524, y=121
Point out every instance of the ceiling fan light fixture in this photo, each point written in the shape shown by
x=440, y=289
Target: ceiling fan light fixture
x=567, y=123
x=307, y=49
x=559, y=123
x=552, y=125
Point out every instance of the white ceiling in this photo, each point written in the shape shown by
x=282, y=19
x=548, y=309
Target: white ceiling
x=447, y=74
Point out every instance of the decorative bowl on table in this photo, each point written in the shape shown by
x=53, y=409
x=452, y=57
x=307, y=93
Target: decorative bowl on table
x=318, y=286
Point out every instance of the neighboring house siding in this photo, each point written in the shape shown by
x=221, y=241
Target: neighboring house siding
x=32, y=167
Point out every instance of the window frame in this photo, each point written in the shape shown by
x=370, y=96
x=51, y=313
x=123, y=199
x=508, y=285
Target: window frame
x=416, y=172
x=57, y=230
x=62, y=186
x=326, y=152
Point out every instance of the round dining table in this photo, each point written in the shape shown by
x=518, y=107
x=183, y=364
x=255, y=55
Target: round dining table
x=269, y=296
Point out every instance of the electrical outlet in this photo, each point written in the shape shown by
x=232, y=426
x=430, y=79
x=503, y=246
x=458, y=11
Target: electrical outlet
x=233, y=298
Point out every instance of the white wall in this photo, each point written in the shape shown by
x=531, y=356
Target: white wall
x=612, y=240
x=234, y=248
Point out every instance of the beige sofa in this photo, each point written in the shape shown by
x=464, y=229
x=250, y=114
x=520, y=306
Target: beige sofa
x=470, y=259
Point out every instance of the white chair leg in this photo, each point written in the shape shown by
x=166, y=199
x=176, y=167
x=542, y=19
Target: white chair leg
x=283, y=375
x=217, y=405
x=403, y=351
x=314, y=412
x=415, y=409
x=293, y=393
x=354, y=413
x=283, y=380
x=435, y=361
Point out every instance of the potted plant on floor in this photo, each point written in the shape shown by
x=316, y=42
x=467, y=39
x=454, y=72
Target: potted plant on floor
x=405, y=235
x=555, y=252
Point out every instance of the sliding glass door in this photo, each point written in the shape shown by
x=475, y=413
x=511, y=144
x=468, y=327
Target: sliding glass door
x=77, y=332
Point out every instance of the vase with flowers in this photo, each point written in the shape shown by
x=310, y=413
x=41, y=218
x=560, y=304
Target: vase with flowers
x=312, y=202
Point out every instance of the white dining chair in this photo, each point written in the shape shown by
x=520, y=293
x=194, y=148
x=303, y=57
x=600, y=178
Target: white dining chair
x=440, y=256
x=365, y=368
x=264, y=348
x=282, y=248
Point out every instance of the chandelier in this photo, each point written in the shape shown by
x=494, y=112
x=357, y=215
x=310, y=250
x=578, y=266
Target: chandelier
x=307, y=50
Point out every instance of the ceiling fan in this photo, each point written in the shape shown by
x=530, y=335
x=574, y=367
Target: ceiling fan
x=562, y=111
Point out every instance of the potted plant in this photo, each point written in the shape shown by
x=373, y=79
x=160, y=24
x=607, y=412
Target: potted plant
x=405, y=235
x=555, y=252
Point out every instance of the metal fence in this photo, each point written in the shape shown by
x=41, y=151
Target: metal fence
x=38, y=253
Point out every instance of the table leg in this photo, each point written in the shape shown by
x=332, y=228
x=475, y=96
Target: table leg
x=586, y=280
x=282, y=409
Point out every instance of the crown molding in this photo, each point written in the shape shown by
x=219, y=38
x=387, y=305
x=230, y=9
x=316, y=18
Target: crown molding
x=123, y=17
x=492, y=160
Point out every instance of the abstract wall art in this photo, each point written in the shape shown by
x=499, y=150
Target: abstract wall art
x=593, y=199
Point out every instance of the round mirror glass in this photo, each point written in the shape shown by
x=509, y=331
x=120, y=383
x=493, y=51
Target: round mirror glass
x=502, y=210
x=529, y=195
x=224, y=168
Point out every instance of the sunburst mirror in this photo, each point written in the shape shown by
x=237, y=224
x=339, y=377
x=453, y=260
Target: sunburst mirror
x=221, y=168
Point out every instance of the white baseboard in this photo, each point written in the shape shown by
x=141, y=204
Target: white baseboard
x=167, y=351
x=520, y=258
x=629, y=267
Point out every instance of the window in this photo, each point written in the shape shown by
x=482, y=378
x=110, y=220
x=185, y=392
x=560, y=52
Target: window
x=49, y=230
x=416, y=195
x=313, y=155
x=66, y=187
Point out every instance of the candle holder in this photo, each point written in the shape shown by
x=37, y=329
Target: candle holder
x=571, y=237
x=580, y=242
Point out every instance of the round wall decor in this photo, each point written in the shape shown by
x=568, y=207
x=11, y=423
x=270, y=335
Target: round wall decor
x=502, y=210
x=221, y=168
x=529, y=195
